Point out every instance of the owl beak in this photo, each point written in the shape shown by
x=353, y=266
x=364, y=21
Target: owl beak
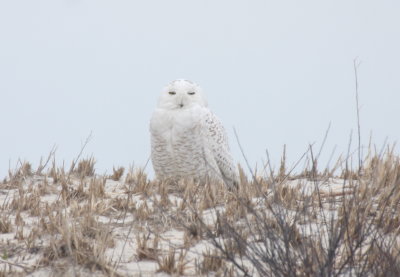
x=180, y=103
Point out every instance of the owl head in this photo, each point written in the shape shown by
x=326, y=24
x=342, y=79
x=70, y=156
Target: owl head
x=181, y=94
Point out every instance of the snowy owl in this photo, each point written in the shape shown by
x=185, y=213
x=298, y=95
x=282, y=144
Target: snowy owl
x=187, y=140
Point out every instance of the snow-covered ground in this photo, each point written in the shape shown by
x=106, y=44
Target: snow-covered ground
x=60, y=224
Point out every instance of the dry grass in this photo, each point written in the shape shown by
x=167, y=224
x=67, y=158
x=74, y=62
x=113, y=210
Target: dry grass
x=117, y=173
x=171, y=264
x=85, y=168
x=213, y=263
x=316, y=223
x=323, y=233
x=5, y=224
x=144, y=250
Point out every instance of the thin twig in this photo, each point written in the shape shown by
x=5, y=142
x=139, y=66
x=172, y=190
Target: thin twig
x=43, y=166
x=25, y=268
x=356, y=64
x=89, y=137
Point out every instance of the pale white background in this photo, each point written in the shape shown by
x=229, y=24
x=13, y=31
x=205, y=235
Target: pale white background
x=277, y=71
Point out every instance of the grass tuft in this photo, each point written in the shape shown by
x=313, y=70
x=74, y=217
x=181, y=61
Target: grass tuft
x=117, y=173
x=86, y=167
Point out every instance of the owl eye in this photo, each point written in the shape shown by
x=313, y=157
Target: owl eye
x=191, y=93
x=172, y=92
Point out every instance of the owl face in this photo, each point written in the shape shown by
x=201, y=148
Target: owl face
x=181, y=94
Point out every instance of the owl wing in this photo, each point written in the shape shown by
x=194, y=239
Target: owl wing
x=218, y=142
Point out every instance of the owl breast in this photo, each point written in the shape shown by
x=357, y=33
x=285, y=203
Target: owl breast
x=178, y=146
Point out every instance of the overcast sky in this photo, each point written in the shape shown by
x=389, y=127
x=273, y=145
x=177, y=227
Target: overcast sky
x=277, y=71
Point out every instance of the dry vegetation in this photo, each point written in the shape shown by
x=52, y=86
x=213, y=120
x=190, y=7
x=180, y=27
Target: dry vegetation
x=336, y=222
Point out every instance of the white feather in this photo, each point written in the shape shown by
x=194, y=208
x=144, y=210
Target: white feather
x=187, y=139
